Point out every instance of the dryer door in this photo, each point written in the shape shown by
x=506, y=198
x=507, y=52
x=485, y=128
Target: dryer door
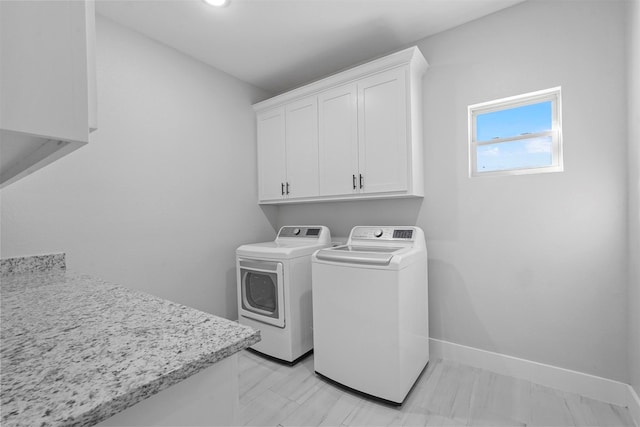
x=262, y=291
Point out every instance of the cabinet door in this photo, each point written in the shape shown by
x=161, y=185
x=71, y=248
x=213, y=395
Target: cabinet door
x=271, y=154
x=338, y=140
x=302, y=147
x=45, y=81
x=382, y=131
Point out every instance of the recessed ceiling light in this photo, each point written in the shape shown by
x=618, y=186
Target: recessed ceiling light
x=217, y=3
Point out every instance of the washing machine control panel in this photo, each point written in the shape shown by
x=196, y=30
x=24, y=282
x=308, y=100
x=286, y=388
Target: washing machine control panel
x=383, y=233
x=308, y=232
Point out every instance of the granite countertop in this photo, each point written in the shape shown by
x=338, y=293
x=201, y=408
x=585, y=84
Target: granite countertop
x=76, y=350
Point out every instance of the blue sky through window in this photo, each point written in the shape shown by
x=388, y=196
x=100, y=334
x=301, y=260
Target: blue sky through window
x=524, y=153
x=514, y=121
x=519, y=154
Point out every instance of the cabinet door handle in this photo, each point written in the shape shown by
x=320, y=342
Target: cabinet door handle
x=361, y=181
x=354, y=181
x=287, y=188
x=282, y=188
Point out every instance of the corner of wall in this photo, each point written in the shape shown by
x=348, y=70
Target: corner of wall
x=633, y=135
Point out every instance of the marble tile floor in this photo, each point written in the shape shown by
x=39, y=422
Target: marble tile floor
x=447, y=394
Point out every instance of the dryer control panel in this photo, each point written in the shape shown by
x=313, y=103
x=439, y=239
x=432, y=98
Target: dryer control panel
x=301, y=231
x=383, y=233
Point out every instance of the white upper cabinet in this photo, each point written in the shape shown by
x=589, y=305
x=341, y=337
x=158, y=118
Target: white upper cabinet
x=382, y=132
x=47, y=81
x=272, y=172
x=301, y=124
x=288, y=151
x=353, y=135
x=338, y=143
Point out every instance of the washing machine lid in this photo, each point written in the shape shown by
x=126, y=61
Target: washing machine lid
x=378, y=246
x=358, y=254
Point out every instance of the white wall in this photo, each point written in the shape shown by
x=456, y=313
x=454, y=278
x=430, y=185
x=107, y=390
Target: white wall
x=633, y=49
x=529, y=266
x=164, y=192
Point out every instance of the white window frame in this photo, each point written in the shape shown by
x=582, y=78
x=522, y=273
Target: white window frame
x=553, y=95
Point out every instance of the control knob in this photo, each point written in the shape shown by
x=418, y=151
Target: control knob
x=377, y=233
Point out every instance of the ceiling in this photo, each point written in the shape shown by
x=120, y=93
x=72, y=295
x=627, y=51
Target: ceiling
x=278, y=45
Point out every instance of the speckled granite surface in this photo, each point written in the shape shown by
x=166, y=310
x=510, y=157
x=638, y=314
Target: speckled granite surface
x=76, y=350
x=32, y=264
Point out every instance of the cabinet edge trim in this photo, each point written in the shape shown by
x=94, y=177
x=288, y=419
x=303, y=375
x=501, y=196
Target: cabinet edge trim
x=410, y=56
x=347, y=198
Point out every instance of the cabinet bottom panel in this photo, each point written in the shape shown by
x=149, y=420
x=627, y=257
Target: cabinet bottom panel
x=342, y=198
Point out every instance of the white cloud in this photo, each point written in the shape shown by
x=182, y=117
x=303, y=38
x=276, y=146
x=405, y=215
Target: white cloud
x=493, y=151
x=538, y=145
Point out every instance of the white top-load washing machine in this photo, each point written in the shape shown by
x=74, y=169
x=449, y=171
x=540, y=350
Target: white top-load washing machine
x=370, y=311
x=274, y=290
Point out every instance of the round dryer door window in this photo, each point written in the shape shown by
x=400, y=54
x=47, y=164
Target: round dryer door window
x=262, y=291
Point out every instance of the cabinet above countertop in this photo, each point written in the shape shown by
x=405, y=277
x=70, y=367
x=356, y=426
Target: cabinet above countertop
x=48, y=83
x=353, y=135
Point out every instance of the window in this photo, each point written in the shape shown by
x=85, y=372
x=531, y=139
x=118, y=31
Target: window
x=516, y=135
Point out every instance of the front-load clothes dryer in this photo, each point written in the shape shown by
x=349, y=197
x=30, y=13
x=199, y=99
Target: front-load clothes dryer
x=370, y=311
x=274, y=290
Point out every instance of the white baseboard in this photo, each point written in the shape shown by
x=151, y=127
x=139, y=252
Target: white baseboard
x=567, y=380
x=634, y=405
